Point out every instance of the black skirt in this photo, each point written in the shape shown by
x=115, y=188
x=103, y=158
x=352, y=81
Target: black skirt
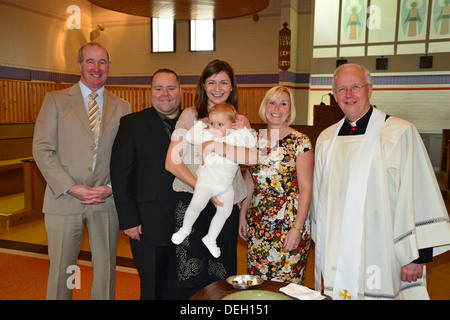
x=195, y=266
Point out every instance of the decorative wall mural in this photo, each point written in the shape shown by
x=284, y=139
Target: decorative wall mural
x=414, y=18
x=354, y=28
x=354, y=18
x=443, y=18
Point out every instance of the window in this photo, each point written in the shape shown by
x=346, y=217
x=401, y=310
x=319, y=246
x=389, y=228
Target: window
x=163, y=35
x=202, y=35
x=350, y=28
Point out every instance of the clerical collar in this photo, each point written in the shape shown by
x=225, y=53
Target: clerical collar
x=359, y=126
x=356, y=127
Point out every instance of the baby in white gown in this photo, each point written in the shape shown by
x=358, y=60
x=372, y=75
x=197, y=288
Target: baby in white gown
x=215, y=176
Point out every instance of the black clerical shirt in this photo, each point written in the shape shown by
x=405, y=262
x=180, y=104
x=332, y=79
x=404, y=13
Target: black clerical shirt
x=359, y=126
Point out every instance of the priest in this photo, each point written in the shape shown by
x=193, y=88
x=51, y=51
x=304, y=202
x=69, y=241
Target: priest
x=377, y=214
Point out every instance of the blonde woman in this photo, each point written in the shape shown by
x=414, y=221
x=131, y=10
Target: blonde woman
x=274, y=221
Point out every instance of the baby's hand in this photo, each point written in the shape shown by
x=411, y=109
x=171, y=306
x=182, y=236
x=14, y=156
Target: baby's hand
x=238, y=123
x=205, y=120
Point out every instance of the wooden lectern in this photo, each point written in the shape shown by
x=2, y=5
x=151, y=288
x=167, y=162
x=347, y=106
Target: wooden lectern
x=326, y=115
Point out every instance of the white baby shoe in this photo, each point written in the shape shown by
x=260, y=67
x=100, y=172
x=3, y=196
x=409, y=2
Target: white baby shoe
x=212, y=246
x=179, y=236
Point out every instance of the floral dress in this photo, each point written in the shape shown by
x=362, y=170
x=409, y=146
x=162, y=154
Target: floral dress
x=273, y=210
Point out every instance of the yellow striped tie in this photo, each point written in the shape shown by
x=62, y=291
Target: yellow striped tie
x=94, y=120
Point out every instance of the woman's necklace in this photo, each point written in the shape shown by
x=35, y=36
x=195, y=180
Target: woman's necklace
x=278, y=131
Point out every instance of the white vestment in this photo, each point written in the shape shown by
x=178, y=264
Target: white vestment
x=404, y=210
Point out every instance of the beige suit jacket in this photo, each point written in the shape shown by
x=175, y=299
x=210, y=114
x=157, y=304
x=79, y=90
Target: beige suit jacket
x=63, y=147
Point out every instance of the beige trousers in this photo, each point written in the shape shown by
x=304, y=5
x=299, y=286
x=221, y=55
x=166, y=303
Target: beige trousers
x=65, y=235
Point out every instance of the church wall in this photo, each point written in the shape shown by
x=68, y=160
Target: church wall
x=404, y=89
x=35, y=37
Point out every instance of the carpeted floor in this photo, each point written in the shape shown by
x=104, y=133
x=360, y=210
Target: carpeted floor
x=24, y=266
x=25, y=278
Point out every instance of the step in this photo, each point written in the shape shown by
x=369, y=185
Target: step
x=12, y=211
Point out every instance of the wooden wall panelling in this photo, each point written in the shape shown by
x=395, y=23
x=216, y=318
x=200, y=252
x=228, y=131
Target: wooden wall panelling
x=249, y=101
x=187, y=97
x=21, y=100
x=2, y=101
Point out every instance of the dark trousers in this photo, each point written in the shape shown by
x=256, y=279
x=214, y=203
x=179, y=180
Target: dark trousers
x=156, y=270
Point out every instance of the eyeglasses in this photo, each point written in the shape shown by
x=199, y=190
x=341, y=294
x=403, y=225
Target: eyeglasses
x=355, y=89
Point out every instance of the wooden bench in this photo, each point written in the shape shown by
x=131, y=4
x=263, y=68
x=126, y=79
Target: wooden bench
x=444, y=168
x=15, y=146
x=33, y=188
x=11, y=176
x=19, y=174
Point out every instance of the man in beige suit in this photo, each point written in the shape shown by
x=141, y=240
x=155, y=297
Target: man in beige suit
x=74, y=161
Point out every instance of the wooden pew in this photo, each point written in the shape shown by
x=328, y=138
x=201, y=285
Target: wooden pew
x=444, y=168
x=311, y=131
x=33, y=186
x=15, y=146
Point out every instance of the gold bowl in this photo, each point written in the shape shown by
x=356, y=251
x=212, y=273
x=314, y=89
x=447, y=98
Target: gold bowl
x=245, y=281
